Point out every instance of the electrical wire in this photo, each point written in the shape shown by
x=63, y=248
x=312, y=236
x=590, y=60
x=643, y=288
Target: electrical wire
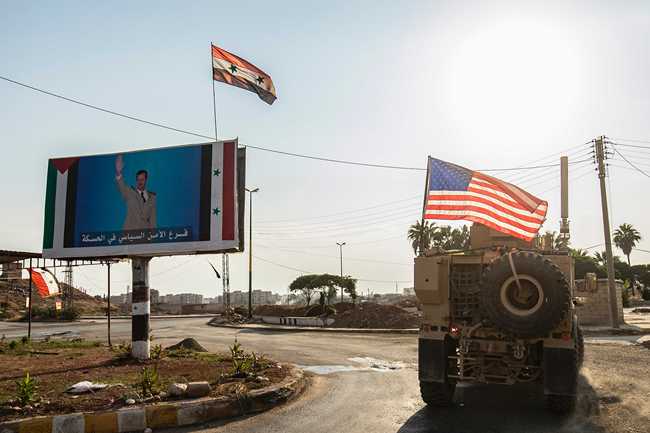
x=302, y=271
x=356, y=259
x=412, y=211
x=630, y=140
x=630, y=163
x=419, y=196
x=265, y=149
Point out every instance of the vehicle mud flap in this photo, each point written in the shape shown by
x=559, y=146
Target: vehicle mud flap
x=432, y=360
x=560, y=371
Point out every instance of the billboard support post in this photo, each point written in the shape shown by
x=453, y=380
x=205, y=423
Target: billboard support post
x=140, y=308
x=108, y=311
x=29, y=312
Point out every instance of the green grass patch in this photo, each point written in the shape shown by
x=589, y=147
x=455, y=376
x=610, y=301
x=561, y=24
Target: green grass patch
x=24, y=347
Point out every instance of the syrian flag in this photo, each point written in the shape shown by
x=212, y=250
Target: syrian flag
x=45, y=283
x=231, y=69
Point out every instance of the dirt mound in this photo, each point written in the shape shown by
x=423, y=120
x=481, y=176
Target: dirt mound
x=13, y=294
x=317, y=310
x=410, y=302
x=373, y=316
x=280, y=310
x=188, y=344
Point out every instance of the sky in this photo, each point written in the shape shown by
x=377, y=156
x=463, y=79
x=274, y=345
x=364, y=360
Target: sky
x=482, y=84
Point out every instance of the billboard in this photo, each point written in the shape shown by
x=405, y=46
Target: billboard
x=174, y=200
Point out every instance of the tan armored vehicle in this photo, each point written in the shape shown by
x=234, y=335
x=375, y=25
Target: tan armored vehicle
x=502, y=313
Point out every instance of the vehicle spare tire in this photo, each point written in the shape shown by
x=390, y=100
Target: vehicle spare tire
x=531, y=307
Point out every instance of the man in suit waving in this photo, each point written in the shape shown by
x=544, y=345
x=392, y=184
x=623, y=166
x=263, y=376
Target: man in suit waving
x=140, y=203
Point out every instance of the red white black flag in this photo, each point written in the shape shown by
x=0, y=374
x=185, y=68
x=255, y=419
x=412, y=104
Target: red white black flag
x=231, y=69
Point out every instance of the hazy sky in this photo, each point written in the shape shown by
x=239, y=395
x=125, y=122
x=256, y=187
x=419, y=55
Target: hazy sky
x=481, y=84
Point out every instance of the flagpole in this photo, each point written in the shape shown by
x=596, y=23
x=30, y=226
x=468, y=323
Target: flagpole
x=214, y=100
x=424, y=206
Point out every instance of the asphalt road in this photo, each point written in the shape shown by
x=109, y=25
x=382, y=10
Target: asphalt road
x=358, y=398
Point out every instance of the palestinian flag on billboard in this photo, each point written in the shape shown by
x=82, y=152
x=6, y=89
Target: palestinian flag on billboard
x=45, y=283
x=231, y=69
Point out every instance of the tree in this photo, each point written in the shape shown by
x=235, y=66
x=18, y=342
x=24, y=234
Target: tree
x=421, y=235
x=325, y=284
x=449, y=238
x=625, y=238
x=304, y=285
x=578, y=252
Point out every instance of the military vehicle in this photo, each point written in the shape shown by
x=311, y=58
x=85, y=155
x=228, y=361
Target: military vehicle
x=501, y=312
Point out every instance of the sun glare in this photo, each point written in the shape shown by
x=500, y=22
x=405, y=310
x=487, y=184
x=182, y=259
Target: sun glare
x=514, y=74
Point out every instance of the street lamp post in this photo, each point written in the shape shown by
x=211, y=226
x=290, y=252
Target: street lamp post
x=250, y=251
x=340, y=244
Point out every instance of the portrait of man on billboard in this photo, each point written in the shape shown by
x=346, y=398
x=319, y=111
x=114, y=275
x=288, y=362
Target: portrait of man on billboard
x=140, y=202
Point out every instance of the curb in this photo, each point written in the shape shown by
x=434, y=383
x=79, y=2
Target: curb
x=156, y=317
x=163, y=415
x=315, y=329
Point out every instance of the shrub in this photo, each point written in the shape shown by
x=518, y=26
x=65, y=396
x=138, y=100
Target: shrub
x=122, y=350
x=157, y=352
x=244, y=364
x=26, y=390
x=149, y=381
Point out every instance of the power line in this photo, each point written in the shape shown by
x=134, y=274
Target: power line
x=105, y=110
x=265, y=149
x=355, y=259
x=630, y=163
x=302, y=271
x=419, y=196
x=630, y=140
x=353, y=223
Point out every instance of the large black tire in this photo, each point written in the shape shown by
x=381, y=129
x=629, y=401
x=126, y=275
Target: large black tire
x=561, y=404
x=580, y=347
x=532, y=308
x=437, y=394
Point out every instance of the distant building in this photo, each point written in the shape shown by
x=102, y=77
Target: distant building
x=124, y=298
x=259, y=297
x=154, y=296
x=408, y=291
x=190, y=298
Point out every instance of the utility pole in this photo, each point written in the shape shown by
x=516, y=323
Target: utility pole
x=250, y=252
x=340, y=244
x=611, y=283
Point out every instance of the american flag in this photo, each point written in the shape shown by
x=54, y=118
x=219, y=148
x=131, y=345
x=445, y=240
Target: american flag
x=455, y=193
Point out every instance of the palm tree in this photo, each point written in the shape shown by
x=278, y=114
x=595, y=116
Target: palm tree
x=601, y=258
x=626, y=237
x=578, y=252
x=421, y=235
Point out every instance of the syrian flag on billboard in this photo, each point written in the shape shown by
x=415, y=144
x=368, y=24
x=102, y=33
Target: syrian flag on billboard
x=45, y=283
x=231, y=69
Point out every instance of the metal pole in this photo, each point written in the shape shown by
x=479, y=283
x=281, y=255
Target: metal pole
x=29, y=312
x=109, y=304
x=140, y=308
x=214, y=100
x=250, y=255
x=611, y=283
x=424, y=206
x=340, y=244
